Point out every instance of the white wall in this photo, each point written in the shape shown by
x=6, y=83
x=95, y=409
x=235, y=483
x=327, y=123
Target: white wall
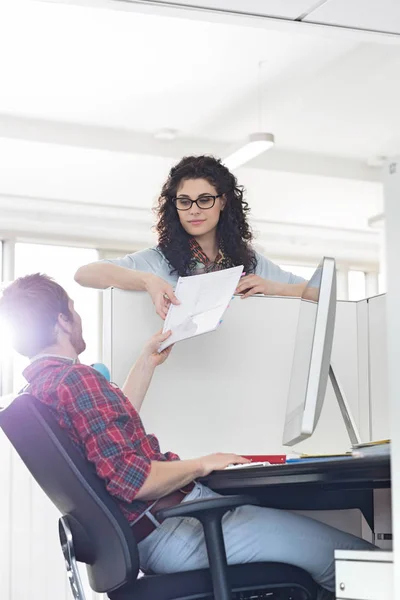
x=106, y=197
x=311, y=199
x=111, y=178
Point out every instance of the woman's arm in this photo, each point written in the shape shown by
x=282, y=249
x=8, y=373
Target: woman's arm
x=102, y=275
x=269, y=279
x=254, y=284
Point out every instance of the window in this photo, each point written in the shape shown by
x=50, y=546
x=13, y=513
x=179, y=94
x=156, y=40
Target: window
x=351, y=284
x=61, y=262
x=301, y=270
x=357, y=290
x=382, y=283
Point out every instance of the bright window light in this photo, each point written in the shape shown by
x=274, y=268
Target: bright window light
x=300, y=270
x=61, y=263
x=6, y=349
x=382, y=283
x=357, y=289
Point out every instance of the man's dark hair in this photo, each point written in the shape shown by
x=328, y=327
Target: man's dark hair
x=31, y=306
x=233, y=230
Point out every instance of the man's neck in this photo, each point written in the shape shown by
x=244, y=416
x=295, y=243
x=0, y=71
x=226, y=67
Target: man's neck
x=58, y=350
x=209, y=244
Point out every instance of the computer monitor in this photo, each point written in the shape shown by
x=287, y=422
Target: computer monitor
x=312, y=359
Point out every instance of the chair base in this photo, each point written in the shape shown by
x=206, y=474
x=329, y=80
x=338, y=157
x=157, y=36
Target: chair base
x=265, y=581
x=67, y=547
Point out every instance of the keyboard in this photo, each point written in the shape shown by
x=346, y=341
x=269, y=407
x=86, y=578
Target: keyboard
x=249, y=465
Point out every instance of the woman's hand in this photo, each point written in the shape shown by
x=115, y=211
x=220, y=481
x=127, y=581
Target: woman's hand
x=161, y=293
x=253, y=284
x=150, y=352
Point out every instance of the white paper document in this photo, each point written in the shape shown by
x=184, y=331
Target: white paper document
x=203, y=301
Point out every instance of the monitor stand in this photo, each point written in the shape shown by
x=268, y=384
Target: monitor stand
x=344, y=409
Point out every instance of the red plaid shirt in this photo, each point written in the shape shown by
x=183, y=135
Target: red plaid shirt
x=102, y=422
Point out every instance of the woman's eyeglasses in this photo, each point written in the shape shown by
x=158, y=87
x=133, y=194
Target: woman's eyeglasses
x=203, y=202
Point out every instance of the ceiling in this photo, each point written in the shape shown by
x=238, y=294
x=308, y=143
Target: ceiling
x=112, y=73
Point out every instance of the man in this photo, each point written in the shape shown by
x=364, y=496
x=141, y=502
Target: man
x=104, y=422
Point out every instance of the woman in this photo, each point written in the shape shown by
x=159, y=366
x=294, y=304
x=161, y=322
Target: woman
x=202, y=226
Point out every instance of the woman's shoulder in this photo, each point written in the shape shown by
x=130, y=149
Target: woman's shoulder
x=152, y=255
x=149, y=260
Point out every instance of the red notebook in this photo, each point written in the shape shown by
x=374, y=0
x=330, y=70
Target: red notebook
x=273, y=459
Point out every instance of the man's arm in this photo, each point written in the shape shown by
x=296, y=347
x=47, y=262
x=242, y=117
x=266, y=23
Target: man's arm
x=166, y=477
x=106, y=425
x=139, y=378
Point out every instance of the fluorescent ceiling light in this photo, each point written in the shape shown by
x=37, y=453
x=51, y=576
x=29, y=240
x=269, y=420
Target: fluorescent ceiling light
x=256, y=144
x=166, y=134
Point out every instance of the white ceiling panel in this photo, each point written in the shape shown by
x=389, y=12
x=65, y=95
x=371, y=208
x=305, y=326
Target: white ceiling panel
x=374, y=15
x=284, y=9
x=136, y=71
x=129, y=74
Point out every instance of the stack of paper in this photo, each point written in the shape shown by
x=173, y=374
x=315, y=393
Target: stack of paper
x=378, y=448
x=203, y=301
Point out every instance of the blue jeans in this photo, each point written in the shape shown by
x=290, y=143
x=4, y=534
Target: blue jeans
x=251, y=534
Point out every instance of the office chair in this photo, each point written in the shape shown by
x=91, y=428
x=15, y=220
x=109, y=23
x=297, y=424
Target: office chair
x=94, y=531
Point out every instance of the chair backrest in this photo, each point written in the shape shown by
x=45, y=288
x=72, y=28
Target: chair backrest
x=102, y=536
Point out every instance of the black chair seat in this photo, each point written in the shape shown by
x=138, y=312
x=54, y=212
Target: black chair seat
x=197, y=584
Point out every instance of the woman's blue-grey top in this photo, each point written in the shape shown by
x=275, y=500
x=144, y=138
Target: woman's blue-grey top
x=152, y=260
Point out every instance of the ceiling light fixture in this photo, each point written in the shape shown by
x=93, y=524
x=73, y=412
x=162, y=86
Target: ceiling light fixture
x=166, y=135
x=376, y=162
x=256, y=144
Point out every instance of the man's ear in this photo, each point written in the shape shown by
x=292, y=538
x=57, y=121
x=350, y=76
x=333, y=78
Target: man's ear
x=64, y=323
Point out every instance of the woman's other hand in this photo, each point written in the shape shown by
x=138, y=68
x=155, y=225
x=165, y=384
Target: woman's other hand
x=254, y=284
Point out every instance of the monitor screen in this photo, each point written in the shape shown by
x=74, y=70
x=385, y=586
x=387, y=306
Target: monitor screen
x=312, y=354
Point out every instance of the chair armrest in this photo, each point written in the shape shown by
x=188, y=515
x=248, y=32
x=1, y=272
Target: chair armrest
x=210, y=512
x=205, y=507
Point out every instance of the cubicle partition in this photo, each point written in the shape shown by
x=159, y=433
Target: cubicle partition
x=378, y=373
x=227, y=390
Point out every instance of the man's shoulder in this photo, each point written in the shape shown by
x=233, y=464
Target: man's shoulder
x=81, y=373
x=82, y=381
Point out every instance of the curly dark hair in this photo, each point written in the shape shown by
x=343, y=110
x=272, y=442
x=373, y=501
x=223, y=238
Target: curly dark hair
x=233, y=230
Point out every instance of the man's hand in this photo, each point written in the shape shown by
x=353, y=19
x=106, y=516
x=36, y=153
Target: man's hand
x=161, y=293
x=150, y=351
x=218, y=461
x=139, y=377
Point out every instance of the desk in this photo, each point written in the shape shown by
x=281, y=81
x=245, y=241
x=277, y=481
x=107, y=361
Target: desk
x=320, y=485
x=363, y=575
